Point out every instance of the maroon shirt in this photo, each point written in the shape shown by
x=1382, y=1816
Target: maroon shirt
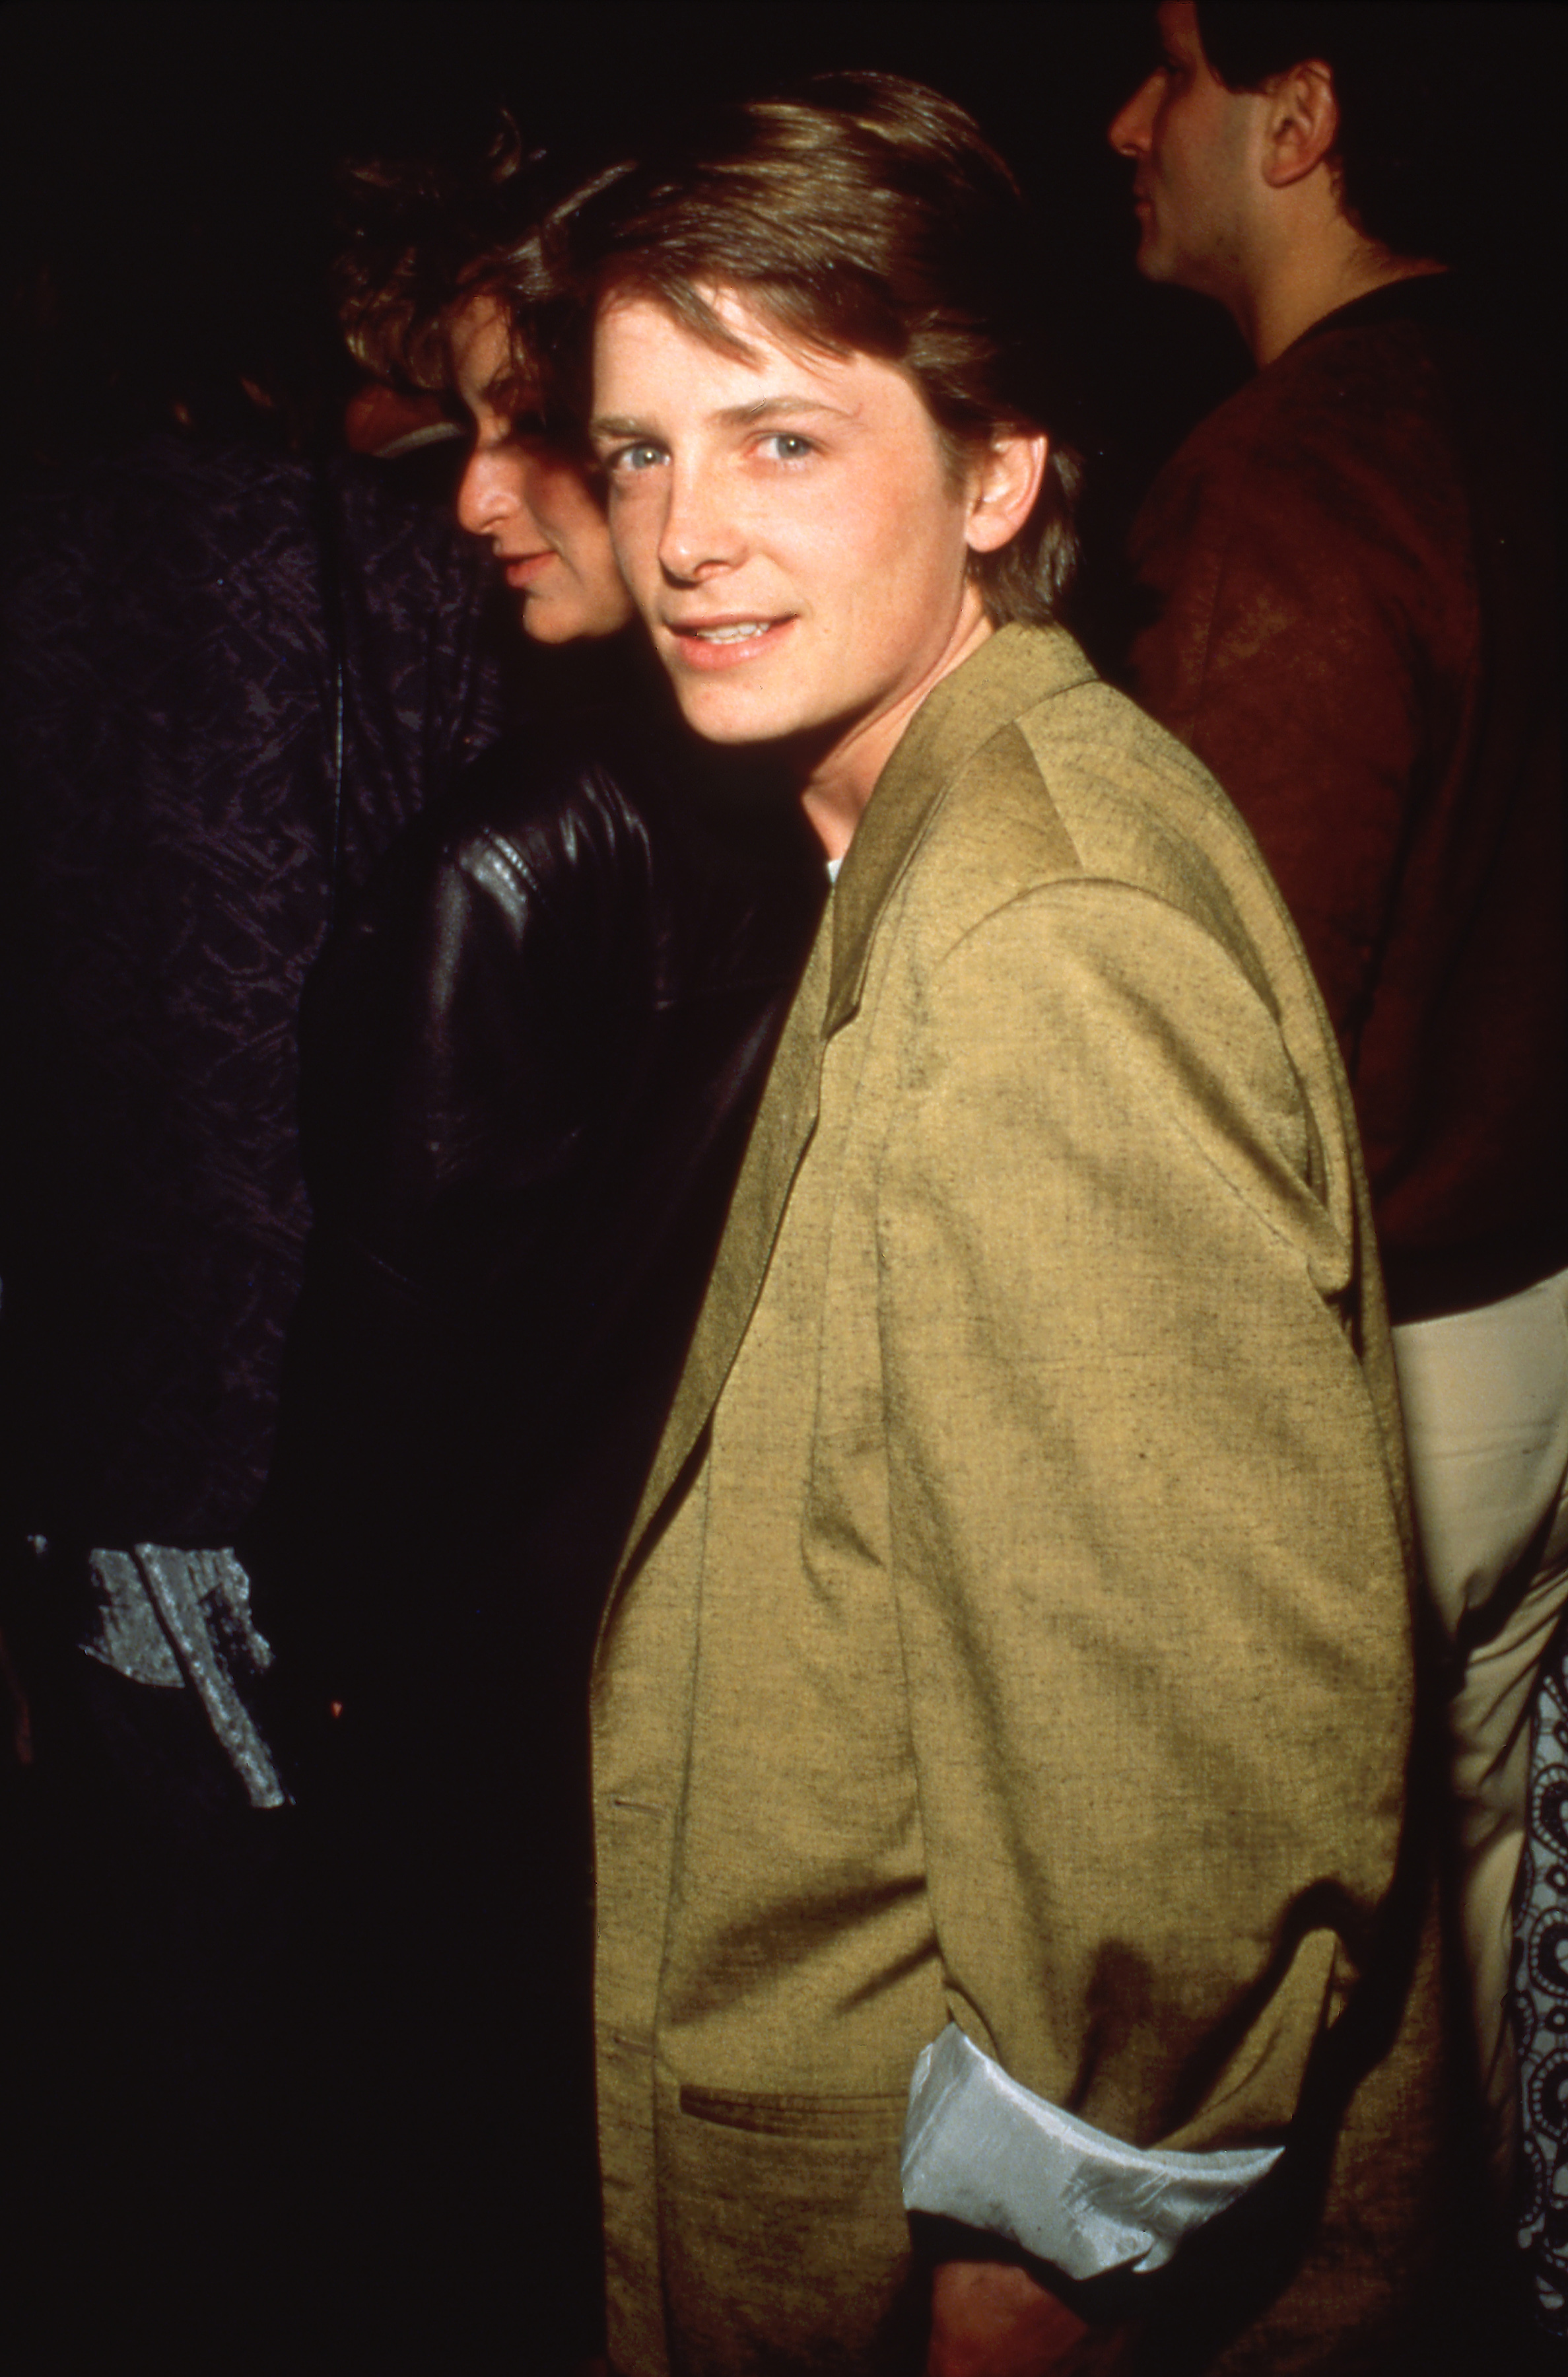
x=1351, y=579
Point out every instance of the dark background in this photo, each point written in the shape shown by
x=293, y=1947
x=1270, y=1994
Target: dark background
x=200, y=141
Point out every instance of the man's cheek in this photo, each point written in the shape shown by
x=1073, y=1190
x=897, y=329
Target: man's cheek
x=636, y=555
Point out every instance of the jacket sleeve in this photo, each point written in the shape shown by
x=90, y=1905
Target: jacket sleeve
x=445, y=1086
x=448, y=1084
x=1310, y=626
x=1145, y=1546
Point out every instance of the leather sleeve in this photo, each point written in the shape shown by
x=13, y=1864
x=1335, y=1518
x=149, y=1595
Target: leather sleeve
x=455, y=1048
x=463, y=1037
x=1149, y=1574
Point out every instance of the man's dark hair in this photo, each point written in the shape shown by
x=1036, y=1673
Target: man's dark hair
x=862, y=214
x=1397, y=81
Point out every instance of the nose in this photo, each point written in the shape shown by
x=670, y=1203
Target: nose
x=700, y=536
x=486, y=495
x=1130, y=131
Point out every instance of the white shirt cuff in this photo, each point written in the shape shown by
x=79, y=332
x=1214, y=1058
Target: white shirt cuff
x=979, y=2149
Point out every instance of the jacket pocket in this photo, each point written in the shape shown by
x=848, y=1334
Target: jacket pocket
x=795, y=2116
x=784, y=2241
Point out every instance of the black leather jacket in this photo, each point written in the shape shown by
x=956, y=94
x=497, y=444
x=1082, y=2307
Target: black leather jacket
x=530, y=1058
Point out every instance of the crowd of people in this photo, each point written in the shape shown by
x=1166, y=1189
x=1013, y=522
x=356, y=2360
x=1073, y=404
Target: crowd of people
x=785, y=1368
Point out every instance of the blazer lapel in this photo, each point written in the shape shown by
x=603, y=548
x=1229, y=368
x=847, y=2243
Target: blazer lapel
x=956, y=719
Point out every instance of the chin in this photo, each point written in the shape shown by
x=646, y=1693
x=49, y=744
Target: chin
x=714, y=729
x=542, y=625
x=1160, y=259
x=575, y=623
x=720, y=715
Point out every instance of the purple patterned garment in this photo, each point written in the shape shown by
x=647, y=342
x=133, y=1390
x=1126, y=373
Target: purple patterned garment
x=1540, y=2000
x=178, y=621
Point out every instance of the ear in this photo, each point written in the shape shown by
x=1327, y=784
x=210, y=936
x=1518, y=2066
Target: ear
x=1301, y=123
x=1006, y=481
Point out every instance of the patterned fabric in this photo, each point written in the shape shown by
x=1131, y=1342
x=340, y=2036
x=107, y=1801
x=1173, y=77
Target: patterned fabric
x=1540, y=2001
x=193, y=630
x=169, y=1618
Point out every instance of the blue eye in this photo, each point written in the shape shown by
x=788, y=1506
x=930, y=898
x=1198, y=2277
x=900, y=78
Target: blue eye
x=789, y=448
x=642, y=457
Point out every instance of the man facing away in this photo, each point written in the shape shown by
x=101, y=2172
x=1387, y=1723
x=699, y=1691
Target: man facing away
x=1350, y=575
x=1004, y=1709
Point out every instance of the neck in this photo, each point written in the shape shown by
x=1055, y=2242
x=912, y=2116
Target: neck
x=840, y=783
x=1305, y=283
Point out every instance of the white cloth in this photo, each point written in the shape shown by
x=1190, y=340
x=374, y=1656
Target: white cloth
x=979, y=2149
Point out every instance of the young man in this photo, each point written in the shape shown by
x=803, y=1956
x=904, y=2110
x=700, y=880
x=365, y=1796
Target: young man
x=1349, y=582
x=1002, y=1714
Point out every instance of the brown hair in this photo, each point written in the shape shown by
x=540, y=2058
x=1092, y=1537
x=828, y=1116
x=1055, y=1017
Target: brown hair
x=868, y=215
x=422, y=238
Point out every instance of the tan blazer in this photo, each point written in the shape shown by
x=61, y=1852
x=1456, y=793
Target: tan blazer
x=1015, y=1628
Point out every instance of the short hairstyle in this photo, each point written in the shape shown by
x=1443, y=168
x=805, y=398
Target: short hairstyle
x=862, y=214
x=1394, y=67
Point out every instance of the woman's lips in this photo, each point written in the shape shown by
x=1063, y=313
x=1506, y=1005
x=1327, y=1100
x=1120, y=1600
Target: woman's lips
x=708, y=644
x=526, y=567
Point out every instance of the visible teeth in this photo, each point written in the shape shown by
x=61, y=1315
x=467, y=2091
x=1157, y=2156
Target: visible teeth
x=735, y=635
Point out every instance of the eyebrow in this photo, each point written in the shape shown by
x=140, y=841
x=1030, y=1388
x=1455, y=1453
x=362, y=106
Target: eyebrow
x=734, y=416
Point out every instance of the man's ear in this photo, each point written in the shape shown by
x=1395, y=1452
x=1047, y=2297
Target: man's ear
x=1007, y=476
x=1301, y=123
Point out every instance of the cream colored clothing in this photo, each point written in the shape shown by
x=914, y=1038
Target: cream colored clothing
x=1016, y=1627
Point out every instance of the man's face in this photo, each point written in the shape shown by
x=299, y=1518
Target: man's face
x=788, y=524
x=533, y=503
x=1195, y=144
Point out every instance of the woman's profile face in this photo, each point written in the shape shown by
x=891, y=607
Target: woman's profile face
x=535, y=502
